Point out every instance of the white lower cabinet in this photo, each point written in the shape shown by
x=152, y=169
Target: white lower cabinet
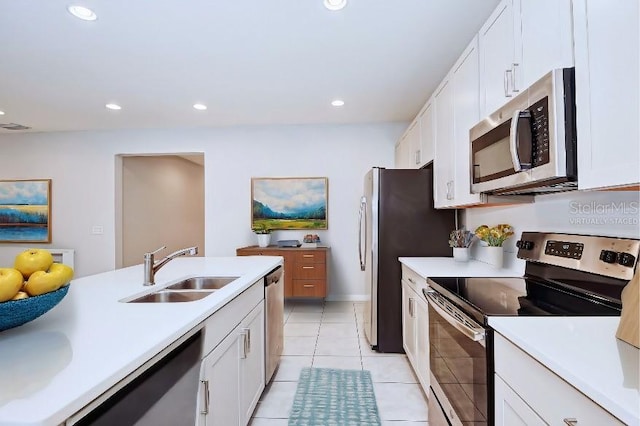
x=528, y=393
x=232, y=374
x=415, y=325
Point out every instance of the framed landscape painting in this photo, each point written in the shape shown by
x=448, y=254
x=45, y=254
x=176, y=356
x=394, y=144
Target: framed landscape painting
x=25, y=211
x=289, y=203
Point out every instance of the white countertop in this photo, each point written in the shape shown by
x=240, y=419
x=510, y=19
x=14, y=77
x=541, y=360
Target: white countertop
x=53, y=366
x=447, y=267
x=584, y=352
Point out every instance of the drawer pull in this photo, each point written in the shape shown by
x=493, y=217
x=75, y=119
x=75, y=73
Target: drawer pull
x=307, y=255
x=308, y=286
x=308, y=267
x=571, y=421
x=411, y=280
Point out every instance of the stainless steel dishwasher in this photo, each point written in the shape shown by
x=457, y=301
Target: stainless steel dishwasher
x=274, y=321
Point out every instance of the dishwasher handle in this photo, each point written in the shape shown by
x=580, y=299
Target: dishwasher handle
x=273, y=277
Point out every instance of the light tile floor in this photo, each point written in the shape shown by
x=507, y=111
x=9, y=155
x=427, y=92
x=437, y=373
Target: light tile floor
x=330, y=335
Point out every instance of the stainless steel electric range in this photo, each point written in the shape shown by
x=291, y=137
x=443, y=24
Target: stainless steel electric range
x=565, y=274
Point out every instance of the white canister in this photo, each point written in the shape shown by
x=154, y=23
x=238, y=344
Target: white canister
x=461, y=254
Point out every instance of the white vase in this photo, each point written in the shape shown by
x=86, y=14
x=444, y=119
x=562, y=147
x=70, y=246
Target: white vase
x=263, y=240
x=492, y=255
x=461, y=254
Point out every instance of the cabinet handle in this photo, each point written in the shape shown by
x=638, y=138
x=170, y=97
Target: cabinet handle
x=307, y=255
x=570, y=421
x=243, y=348
x=308, y=286
x=417, y=156
x=308, y=267
x=411, y=280
x=449, y=186
x=507, y=74
x=205, y=391
x=411, y=307
x=248, y=339
x=513, y=77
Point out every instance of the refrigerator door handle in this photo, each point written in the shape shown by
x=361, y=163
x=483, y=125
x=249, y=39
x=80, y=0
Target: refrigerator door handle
x=362, y=220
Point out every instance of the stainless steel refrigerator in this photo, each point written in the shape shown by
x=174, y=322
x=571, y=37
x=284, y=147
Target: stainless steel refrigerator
x=397, y=219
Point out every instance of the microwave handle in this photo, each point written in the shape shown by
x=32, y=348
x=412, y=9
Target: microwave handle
x=514, y=141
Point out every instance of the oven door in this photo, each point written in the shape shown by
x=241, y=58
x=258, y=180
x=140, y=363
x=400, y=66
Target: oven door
x=458, y=360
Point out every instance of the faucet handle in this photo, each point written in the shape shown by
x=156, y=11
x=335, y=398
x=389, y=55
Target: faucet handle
x=155, y=251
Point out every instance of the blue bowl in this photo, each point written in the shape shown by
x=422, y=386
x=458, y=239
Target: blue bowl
x=17, y=312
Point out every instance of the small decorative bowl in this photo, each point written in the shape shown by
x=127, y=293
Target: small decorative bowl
x=17, y=312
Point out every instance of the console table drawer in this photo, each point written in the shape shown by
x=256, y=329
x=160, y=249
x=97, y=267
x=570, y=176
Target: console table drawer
x=309, y=288
x=311, y=256
x=309, y=271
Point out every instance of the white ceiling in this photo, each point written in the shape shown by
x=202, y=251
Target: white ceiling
x=251, y=61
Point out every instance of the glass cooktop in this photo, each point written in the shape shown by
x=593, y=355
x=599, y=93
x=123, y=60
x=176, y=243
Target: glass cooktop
x=483, y=297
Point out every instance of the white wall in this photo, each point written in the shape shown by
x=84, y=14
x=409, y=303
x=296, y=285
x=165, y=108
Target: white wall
x=607, y=213
x=162, y=205
x=82, y=166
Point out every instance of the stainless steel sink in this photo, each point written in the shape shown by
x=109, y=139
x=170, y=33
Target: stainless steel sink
x=202, y=283
x=167, y=296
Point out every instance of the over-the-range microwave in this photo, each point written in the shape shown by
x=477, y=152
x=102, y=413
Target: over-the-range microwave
x=529, y=145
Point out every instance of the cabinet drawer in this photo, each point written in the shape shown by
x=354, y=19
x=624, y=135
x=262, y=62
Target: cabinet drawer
x=541, y=388
x=311, y=257
x=412, y=279
x=311, y=271
x=309, y=288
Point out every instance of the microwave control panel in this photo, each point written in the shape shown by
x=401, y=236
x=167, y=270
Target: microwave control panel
x=564, y=249
x=540, y=132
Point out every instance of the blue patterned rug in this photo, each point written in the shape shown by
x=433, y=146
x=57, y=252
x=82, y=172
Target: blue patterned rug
x=327, y=396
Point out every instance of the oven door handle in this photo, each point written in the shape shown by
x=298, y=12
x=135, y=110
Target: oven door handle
x=477, y=334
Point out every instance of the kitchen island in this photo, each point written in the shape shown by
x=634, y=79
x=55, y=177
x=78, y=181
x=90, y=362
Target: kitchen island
x=54, y=366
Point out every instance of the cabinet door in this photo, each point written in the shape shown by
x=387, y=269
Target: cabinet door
x=415, y=152
x=496, y=58
x=422, y=342
x=544, y=40
x=408, y=323
x=427, y=135
x=511, y=410
x=607, y=93
x=402, y=153
x=443, y=163
x=219, y=394
x=466, y=112
x=252, y=352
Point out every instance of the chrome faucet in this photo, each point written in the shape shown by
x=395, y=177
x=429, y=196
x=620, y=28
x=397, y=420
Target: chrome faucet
x=151, y=266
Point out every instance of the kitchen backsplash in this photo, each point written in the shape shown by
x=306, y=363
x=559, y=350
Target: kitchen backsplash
x=609, y=213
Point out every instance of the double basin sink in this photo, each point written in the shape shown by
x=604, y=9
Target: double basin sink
x=187, y=290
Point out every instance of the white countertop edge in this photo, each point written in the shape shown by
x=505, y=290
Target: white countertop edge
x=172, y=272
x=569, y=368
x=428, y=267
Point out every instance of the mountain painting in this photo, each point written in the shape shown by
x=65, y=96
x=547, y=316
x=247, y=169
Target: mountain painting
x=25, y=211
x=289, y=203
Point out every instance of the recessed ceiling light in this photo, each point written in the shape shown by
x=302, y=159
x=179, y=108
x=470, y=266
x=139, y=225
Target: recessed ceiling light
x=335, y=4
x=337, y=102
x=114, y=107
x=83, y=13
x=200, y=107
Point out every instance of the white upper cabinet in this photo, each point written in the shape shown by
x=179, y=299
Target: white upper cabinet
x=456, y=111
x=607, y=88
x=425, y=144
x=443, y=163
x=415, y=148
x=466, y=112
x=497, y=57
x=403, y=152
x=520, y=42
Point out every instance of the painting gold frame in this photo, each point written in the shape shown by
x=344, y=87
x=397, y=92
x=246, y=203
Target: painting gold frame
x=293, y=203
x=25, y=211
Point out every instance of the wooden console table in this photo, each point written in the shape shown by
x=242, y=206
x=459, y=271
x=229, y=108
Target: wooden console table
x=305, y=269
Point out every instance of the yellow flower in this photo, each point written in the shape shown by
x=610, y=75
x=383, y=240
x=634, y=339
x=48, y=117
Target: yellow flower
x=494, y=236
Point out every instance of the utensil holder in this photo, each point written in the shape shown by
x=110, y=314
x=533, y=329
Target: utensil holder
x=461, y=254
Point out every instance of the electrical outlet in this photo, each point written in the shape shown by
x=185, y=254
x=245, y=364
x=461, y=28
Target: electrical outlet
x=97, y=230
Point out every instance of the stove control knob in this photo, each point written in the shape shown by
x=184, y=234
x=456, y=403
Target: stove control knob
x=608, y=256
x=525, y=245
x=626, y=259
